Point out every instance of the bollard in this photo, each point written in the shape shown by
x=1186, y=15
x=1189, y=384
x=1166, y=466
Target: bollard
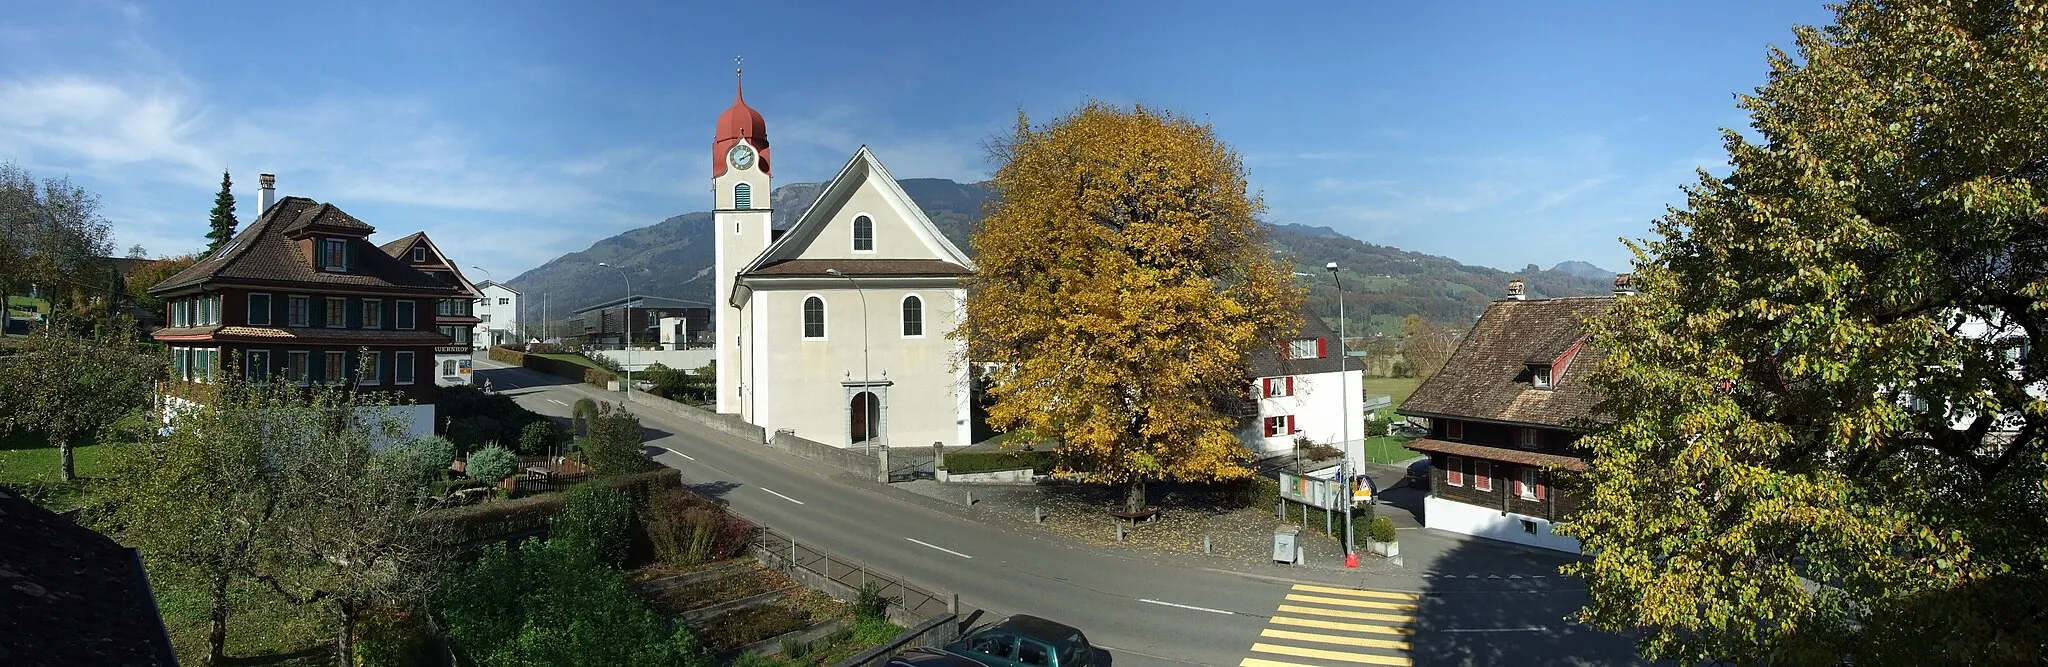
x=970, y=497
x=1205, y=543
x=1037, y=514
x=953, y=604
x=1119, y=531
x=1280, y=510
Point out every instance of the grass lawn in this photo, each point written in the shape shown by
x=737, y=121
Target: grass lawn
x=262, y=628
x=29, y=464
x=1398, y=388
x=1388, y=449
x=574, y=359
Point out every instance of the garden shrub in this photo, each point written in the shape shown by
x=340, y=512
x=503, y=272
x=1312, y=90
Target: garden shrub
x=461, y=403
x=538, y=438
x=550, y=602
x=598, y=518
x=1256, y=491
x=614, y=444
x=136, y=426
x=962, y=463
x=869, y=602
x=491, y=464
x=475, y=431
x=686, y=529
x=580, y=416
x=424, y=459
x=1382, y=529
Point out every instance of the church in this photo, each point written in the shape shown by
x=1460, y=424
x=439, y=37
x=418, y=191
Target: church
x=835, y=329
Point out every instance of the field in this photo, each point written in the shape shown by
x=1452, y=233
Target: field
x=1399, y=388
x=28, y=464
x=577, y=359
x=1388, y=449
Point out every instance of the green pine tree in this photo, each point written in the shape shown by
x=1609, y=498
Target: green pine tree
x=224, y=223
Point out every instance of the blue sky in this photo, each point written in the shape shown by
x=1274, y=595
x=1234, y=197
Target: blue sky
x=1499, y=134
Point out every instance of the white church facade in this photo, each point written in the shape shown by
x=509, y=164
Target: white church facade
x=835, y=329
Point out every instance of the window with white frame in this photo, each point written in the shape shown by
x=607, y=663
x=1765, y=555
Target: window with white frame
x=334, y=254
x=259, y=309
x=336, y=369
x=295, y=367
x=257, y=365
x=1279, y=425
x=403, y=313
x=1539, y=376
x=913, y=317
x=419, y=253
x=402, y=367
x=863, y=234
x=1305, y=348
x=298, y=311
x=814, y=317
x=373, y=372
x=484, y=317
x=1482, y=475
x=1526, y=486
x=373, y=313
x=205, y=371
x=1454, y=429
x=178, y=316
x=448, y=368
x=1454, y=471
x=1281, y=386
x=337, y=312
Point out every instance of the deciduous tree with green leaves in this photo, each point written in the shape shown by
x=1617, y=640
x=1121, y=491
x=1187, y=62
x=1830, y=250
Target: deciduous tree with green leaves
x=51, y=235
x=67, y=386
x=1122, y=284
x=1823, y=438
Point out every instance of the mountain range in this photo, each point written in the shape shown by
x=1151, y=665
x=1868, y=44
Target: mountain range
x=673, y=258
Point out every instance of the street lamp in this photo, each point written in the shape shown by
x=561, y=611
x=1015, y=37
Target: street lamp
x=627, y=323
x=1344, y=416
x=864, y=378
x=484, y=300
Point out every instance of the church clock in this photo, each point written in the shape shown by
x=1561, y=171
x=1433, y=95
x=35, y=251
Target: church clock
x=741, y=156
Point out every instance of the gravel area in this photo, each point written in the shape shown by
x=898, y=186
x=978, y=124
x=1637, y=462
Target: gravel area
x=1238, y=536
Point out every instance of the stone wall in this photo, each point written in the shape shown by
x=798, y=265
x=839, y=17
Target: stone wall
x=844, y=459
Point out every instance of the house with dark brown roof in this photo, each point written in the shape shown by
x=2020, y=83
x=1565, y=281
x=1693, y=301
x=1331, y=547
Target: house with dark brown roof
x=1305, y=390
x=1505, y=414
x=71, y=596
x=301, y=295
x=453, y=317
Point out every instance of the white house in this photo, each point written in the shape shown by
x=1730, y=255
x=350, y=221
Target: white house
x=497, y=312
x=1313, y=393
x=835, y=328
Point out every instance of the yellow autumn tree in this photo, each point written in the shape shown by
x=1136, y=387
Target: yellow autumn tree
x=1123, y=282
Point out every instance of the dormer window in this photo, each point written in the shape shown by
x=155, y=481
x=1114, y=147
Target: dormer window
x=334, y=254
x=1307, y=348
x=419, y=254
x=1539, y=376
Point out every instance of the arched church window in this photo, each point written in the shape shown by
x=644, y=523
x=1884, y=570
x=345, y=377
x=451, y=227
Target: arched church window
x=743, y=196
x=814, y=317
x=913, y=316
x=863, y=233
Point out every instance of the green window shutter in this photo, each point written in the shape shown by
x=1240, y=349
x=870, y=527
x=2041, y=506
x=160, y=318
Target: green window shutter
x=743, y=196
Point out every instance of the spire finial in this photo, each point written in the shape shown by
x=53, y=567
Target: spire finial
x=738, y=78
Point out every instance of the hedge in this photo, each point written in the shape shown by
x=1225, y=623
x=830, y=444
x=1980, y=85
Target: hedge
x=508, y=355
x=494, y=520
x=569, y=370
x=972, y=462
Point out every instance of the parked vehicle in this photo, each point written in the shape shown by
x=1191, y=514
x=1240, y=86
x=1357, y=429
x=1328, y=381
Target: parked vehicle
x=1018, y=641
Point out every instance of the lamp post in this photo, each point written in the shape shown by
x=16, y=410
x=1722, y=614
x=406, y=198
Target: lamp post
x=627, y=323
x=484, y=300
x=1344, y=416
x=864, y=378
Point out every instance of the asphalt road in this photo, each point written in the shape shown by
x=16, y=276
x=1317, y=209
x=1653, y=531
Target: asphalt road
x=1145, y=611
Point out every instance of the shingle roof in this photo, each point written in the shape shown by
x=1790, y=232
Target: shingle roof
x=395, y=247
x=862, y=267
x=1267, y=362
x=264, y=252
x=71, y=596
x=1497, y=454
x=1487, y=377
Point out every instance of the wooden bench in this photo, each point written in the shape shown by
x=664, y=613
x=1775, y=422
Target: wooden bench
x=1146, y=514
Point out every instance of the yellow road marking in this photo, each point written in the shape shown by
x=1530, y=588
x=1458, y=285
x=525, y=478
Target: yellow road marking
x=1336, y=625
x=1357, y=592
x=1340, y=613
x=1344, y=656
x=1342, y=602
x=1257, y=662
x=1334, y=639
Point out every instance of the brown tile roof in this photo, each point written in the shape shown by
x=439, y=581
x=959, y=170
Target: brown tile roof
x=863, y=267
x=1487, y=377
x=1267, y=362
x=263, y=252
x=1521, y=456
x=301, y=335
x=404, y=243
x=71, y=596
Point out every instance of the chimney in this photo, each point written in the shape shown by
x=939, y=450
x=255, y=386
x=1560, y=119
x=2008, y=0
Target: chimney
x=1623, y=285
x=1515, y=291
x=266, y=196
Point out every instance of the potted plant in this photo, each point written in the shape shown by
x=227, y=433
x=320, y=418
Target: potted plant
x=1384, y=542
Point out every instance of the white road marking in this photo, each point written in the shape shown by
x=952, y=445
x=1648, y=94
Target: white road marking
x=558, y=402
x=778, y=495
x=934, y=546
x=1527, y=629
x=693, y=458
x=1186, y=606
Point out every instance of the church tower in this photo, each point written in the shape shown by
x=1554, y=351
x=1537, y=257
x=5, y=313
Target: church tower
x=740, y=210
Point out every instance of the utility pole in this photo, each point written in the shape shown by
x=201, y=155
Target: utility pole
x=626, y=322
x=1344, y=416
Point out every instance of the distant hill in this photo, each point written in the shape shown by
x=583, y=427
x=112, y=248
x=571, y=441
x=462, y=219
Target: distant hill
x=1584, y=270
x=673, y=258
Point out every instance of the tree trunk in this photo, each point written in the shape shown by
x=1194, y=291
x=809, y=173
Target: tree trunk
x=1134, y=496
x=345, y=642
x=217, y=635
x=64, y=460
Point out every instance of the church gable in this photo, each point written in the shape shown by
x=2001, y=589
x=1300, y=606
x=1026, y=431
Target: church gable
x=863, y=215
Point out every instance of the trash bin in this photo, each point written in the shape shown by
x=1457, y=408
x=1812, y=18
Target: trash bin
x=1284, y=544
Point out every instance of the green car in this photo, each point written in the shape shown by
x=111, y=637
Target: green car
x=1025, y=641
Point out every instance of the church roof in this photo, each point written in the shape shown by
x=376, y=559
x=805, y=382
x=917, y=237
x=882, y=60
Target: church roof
x=739, y=123
x=862, y=267
x=783, y=257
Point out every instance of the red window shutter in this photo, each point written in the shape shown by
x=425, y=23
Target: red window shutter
x=1542, y=489
x=1291, y=430
x=1267, y=426
x=1290, y=386
x=1322, y=347
x=1454, y=470
x=1518, y=485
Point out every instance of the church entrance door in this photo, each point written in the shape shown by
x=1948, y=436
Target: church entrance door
x=867, y=417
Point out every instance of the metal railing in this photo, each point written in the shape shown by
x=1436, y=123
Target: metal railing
x=790, y=555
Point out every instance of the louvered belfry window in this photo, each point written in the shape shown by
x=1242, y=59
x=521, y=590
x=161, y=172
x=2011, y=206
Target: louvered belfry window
x=743, y=196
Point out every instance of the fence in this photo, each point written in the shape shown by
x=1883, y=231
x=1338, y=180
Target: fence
x=931, y=619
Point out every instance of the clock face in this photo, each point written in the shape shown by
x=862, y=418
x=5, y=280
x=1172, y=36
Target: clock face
x=741, y=156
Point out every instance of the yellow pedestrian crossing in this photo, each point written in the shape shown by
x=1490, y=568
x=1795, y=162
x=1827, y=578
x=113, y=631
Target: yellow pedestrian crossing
x=1327, y=625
